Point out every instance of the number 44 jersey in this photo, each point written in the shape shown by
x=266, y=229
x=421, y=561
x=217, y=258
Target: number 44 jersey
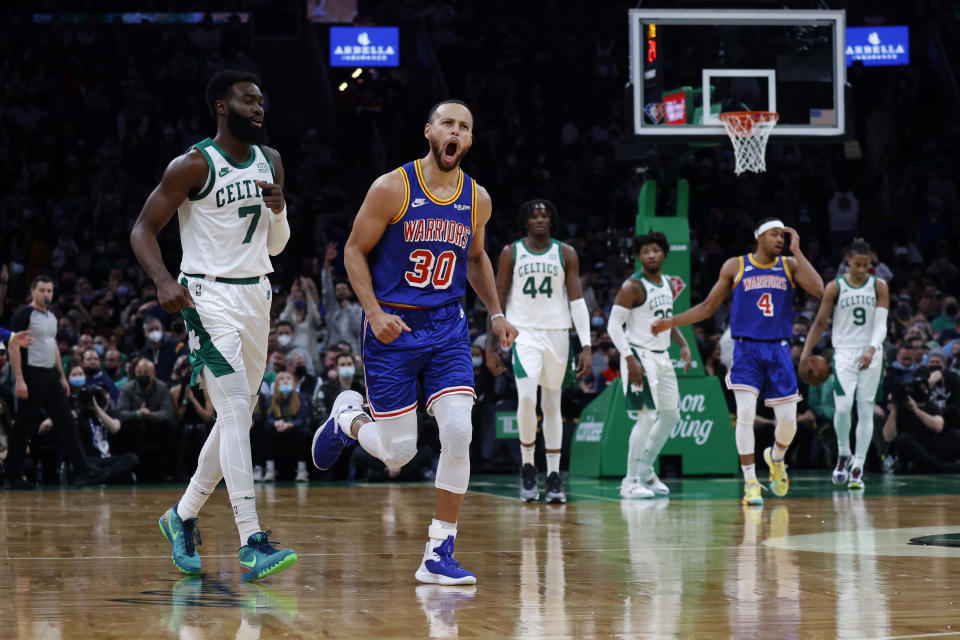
x=538, y=291
x=223, y=227
x=420, y=260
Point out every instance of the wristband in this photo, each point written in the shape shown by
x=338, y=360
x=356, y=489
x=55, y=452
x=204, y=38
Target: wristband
x=495, y=316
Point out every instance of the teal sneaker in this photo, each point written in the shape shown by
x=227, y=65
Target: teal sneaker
x=262, y=558
x=184, y=537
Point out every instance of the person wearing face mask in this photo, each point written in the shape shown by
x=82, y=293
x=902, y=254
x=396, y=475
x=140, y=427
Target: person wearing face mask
x=41, y=385
x=302, y=314
x=944, y=387
x=345, y=380
x=145, y=409
x=286, y=430
x=160, y=350
x=307, y=384
x=91, y=369
x=113, y=367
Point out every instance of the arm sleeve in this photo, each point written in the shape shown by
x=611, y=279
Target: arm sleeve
x=581, y=320
x=879, y=329
x=278, y=233
x=618, y=317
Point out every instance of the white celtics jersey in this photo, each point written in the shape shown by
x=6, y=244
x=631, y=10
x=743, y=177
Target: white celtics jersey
x=657, y=304
x=853, y=313
x=538, y=292
x=223, y=229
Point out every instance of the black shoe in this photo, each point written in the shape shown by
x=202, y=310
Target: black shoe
x=92, y=476
x=20, y=484
x=528, y=484
x=555, y=494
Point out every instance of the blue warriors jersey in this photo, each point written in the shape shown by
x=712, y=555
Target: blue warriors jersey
x=762, y=306
x=421, y=258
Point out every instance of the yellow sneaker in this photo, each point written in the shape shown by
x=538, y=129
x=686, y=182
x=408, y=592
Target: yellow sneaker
x=779, y=481
x=751, y=493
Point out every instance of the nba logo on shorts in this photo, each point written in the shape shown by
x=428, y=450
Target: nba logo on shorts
x=236, y=511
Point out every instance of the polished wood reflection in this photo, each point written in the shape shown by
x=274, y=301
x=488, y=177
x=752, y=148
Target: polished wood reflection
x=92, y=563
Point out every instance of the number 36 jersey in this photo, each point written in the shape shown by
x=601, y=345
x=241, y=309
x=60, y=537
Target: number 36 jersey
x=762, y=306
x=538, y=290
x=223, y=227
x=420, y=260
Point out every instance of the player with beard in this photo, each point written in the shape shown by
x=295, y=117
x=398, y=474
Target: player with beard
x=416, y=241
x=761, y=285
x=220, y=187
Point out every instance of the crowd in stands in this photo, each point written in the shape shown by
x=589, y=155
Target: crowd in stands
x=92, y=113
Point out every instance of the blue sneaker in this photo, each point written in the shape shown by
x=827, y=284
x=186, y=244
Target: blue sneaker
x=330, y=439
x=184, y=537
x=262, y=558
x=439, y=567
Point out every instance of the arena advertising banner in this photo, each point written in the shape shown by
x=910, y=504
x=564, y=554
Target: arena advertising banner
x=364, y=46
x=878, y=46
x=703, y=439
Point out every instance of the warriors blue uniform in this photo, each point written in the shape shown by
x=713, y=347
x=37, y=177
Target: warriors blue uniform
x=761, y=322
x=419, y=272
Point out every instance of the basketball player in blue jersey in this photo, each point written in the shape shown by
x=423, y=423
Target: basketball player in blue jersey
x=761, y=317
x=416, y=241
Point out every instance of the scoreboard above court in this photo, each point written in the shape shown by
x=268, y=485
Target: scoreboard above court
x=689, y=65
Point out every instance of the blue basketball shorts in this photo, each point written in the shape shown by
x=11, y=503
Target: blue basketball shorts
x=764, y=368
x=435, y=355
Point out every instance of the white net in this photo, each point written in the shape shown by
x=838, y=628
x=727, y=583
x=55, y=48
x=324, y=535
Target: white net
x=748, y=131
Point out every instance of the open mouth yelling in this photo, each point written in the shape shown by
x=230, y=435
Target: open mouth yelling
x=449, y=155
x=257, y=122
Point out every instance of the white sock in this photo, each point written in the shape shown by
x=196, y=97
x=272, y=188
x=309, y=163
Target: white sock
x=553, y=463
x=439, y=531
x=526, y=453
x=749, y=471
x=638, y=442
x=245, y=515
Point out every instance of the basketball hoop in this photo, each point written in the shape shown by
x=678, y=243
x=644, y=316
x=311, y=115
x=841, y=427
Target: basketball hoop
x=748, y=131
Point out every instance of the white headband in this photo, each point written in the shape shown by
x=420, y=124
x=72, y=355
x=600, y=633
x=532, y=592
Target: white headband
x=766, y=226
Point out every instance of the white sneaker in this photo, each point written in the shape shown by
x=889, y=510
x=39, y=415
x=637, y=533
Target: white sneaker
x=270, y=475
x=258, y=473
x=302, y=474
x=634, y=489
x=653, y=483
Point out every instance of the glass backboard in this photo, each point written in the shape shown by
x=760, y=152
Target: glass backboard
x=689, y=65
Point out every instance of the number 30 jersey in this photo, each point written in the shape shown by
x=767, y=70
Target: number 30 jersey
x=420, y=260
x=762, y=306
x=223, y=228
x=538, y=291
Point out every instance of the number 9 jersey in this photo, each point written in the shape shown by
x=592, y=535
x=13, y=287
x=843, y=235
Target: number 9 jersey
x=762, y=305
x=420, y=260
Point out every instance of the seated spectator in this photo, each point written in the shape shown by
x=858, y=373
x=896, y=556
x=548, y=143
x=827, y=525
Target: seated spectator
x=113, y=366
x=344, y=379
x=160, y=350
x=91, y=369
x=194, y=414
x=944, y=388
x=145, y=409
x=286, y=428
x=914, y=438
x=309, y=387
x=97, y=422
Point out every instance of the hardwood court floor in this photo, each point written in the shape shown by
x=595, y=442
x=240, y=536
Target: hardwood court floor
x=818, y=564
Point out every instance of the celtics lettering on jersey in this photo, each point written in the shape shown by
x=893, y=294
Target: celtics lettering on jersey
x=223, y=229
x=853, y=313
x=538, y=291
x=657, y=304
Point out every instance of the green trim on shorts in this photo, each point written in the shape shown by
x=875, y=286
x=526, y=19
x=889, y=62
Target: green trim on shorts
x=518, y=370
x=837, y=387
x=570, y=376
x=250, y=280
x=206, y=354
x=639, y=400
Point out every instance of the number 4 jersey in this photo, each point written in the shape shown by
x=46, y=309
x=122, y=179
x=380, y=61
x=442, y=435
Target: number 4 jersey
x=762, y=306
x=420, y=260
x=538, y=291
x=223, y=228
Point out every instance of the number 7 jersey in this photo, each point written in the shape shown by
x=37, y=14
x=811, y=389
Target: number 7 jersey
x=762, y=305
x=420, y=260
x=223, y=228
x=538, y=290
